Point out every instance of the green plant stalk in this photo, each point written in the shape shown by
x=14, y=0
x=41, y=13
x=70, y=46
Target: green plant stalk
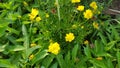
x=58, y=9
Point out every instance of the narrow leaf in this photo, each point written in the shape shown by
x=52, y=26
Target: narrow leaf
x=39, y=56
x=74, y=52
x=110, y=45
x=118, y=58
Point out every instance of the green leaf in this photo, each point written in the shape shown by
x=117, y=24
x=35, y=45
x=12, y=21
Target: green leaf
x=103, y=38
x=110, y=45
x=98, y=63
x=30, y=50
x=13, y=30
x=61, y=61
x=99, y=48
x=115, y=33
x=87, y=51
x=118, y=58
x=55, y=65
x=26, y=22
x=67, y=57
x=109, y=63
x=74, y=52
x=16, y=48
x=48, y=60
x=12, y=39
x=2, y=48
x=4, y=63
x=26, y=40
x=39, y=56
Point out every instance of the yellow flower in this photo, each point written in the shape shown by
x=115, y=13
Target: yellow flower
x=88, y=14
x=38, y=19
x=75, y=1
x=31, y=16
x=33, y=13
x=47, y=15
x=54, y=48
x=86, y=42
x=80, y=8
x=33, y=44
x=99, y=58
x=31, y=56
x=93, y=5
x=69, y=37
x=95, y=25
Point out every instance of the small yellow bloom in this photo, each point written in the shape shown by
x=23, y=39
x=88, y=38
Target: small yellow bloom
x=93, y=5
x=80, y=8
x=32, y=16
x=19, y=16
x=86, y=42
x=55, y=4
x=33, y=13
x=33, y=44
x=95, y=25
x=69, y=37
x=51, y=41
x=74, y=26
x=25, y=3
x=38, y=19
x=54, y=48
x=47, y=15
x=99, y=12
x=88, y=14
x=82, y=27
x=75, y=1
x=31, y=56
x=99, y=58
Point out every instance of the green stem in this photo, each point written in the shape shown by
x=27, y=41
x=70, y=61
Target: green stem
x=58, y=9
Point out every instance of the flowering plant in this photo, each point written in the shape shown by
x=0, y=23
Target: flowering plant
x=56, y=34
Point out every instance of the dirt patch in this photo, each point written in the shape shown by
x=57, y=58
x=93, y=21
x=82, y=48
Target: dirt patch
x=115, y=5
x=114, y=8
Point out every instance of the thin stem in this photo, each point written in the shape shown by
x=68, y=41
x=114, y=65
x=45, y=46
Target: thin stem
x=58, y=9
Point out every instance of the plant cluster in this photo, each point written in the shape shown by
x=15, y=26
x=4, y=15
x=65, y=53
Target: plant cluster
x=57, y=34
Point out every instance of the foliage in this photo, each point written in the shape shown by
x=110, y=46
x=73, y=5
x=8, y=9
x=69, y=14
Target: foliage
x=57, y=34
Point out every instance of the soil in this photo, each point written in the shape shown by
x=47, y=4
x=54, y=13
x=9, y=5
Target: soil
x=115, y=5
x=114, y=8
